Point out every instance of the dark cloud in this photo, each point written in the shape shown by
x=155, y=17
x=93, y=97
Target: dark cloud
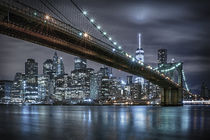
x=181, y=26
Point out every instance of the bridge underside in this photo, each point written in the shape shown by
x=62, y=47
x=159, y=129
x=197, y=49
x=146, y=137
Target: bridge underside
x=15, y=24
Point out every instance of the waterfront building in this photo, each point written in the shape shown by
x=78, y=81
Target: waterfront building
x=5, y=90
x=30, y=89
x=152, y=91
x=61, y=90
x=116, y=89
x=80, y=80
x=104, y=82
x=30, y=82
x=44, y=88
x=105, y=88
x=17, y=91
x=204, y=91
x=94, y=86
x=80, y=83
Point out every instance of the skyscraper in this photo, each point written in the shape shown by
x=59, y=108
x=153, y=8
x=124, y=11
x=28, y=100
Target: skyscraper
x=140, y=57
x=31, y=67
x=43, y=87
x=48, y=67
x=80, y=63
x=5, y=90
x=30, y=81
x=18, y=88
x=58, y=66
x=140, y=51
x=94, y=86
x=104, y=81
x=162, y=56
x=80, y=80
x=129, y=80
x=204, y=91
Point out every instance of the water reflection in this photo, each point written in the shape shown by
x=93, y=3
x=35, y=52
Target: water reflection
x=104, y=122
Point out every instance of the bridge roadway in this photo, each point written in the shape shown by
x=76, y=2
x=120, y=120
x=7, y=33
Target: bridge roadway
x=23, y=22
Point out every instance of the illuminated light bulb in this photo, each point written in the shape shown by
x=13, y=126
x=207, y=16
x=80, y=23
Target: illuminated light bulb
x=113, y=49
x=35, y=13
x=110, y=38
x=104, y=33
x=133, y=59
x=99, y=27
x=80, y=34
x=85, y=35
x=92, y=20
x=119, y=47
x=85, y=12
x=115, y=43
x=47, y=17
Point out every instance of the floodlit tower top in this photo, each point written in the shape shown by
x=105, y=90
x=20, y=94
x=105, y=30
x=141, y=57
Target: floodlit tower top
x=139, y=40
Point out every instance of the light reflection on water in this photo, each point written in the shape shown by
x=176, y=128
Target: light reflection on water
x=104, y=122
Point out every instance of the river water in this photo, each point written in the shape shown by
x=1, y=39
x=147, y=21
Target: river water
x=104, y=122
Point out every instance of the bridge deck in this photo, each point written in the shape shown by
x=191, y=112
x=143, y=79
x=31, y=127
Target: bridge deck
x=22, y=23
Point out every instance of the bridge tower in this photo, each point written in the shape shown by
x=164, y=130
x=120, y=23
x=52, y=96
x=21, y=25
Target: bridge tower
x=174, y=71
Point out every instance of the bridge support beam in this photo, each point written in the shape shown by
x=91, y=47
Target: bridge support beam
x=171, y=97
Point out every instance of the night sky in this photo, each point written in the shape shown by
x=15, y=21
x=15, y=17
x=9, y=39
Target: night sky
x=182, y=27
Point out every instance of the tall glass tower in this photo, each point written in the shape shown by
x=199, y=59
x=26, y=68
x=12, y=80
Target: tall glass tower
x=80, y=63
x=140, y=57
x=58, y=66
x=162, y=56
x=31, y=67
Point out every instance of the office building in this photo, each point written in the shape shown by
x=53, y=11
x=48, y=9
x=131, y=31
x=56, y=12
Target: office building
x=140, y=57
x=162, y=56
x=31, y=67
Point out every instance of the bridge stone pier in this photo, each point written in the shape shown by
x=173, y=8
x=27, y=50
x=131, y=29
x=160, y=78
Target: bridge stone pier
x=171, y=96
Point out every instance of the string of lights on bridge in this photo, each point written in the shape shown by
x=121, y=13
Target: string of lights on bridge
x=116, y=46
x=107, y=36
x=47, y=17
x=103, y=32
x=172, y=68
x=119, y=47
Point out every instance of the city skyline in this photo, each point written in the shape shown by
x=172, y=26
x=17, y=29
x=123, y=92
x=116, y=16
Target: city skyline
x=167, y=32
x=87, y=69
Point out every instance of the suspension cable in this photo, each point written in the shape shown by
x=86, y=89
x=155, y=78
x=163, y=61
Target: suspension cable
x=49, y=2
x=50, y=10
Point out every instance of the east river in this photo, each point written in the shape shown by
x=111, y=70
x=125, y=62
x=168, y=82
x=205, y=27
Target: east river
x=104, y=122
